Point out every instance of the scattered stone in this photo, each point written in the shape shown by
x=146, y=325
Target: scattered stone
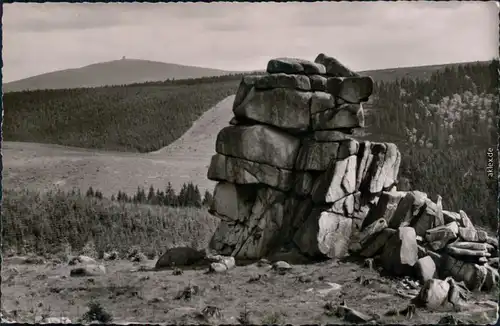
x=468, y=234
x=217, y=268
x=450, y=320
x=465, y=220
x=227, y=261
x=401, y=251
x=458, y=293
x=188, y=292
x=352, y=316
x=440, y=236
x=113, y=255
x=493, y=262
x=469, y=249
x=371, y=231
x=373, y=247
x=473, y=275
x=324, y=234
x=368, y=262
x=82, y=260
x=492, y=278
x=211, y=312
x=434, y=294
x=281, y=266
x=426, y=269
x=449, y=217
x=88, y=270
x=56, y=320
x=179, y=256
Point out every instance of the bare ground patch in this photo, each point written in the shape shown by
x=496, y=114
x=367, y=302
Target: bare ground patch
x=255, y=294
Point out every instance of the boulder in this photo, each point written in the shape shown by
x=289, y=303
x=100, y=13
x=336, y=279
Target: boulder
x=439, y=211
x=241, y=171
x=295, y=66
x=426, y=219
x=371, y=231
x=471, y=274
x=227, y=261
x=82, y=259
x=374, y=245
x=333, y=67
x=324, y=234
x=347, y=148
x=473, y=249
x=465, y=220
x=246, y=85
x=330, y=136
x=449, y=217
x=318, y=83
x=385, y=167
x=303, y=183
x=233, y=202
x=468, y=234
x=260, y=144
x=385, y=208
x=440, y=236
x=426, y=269
x=315, y=156
x=337, y=182
x=281, y=80
x=284, y=65
x=267, y=227
x=345, y=116
x=400, y=252
x=88, y=270
x=351, y=89
x=321, y=101
x=217, y=268
x=492, y=277
x=403, y=212
x=433, y=294
x=284, y=108
x=180, y=256
x=227, y=237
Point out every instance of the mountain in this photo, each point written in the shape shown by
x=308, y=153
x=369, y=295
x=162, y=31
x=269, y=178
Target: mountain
x=117, y=72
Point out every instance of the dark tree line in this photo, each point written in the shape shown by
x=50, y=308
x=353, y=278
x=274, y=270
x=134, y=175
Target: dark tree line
x=189, y=196
x=443, y=126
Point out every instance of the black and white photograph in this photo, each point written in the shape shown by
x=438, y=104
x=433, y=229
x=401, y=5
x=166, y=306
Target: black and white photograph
x=250, y=163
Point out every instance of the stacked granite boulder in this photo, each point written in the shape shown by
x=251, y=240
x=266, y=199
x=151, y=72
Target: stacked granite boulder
x=292, y=176
x=412, y=235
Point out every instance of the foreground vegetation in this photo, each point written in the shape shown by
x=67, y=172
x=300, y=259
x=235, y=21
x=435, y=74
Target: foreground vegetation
x=58, y=222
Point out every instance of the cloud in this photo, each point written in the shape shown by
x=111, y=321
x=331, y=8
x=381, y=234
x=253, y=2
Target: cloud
x=44, y=37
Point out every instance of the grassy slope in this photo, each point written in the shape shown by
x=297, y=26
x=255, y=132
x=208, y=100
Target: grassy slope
x=118, y=72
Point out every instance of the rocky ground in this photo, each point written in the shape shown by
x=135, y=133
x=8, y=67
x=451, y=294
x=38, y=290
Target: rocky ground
x=34, y=291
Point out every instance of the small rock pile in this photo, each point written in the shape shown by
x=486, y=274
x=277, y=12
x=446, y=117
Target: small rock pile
x=291, y=176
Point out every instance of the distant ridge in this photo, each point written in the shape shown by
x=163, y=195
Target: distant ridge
x=117, y=72
x=134, y=71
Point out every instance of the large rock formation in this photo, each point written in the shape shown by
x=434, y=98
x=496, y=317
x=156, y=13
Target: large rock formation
x=292, y=176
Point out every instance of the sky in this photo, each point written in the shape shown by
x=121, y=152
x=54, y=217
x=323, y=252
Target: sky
x=44, y=37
